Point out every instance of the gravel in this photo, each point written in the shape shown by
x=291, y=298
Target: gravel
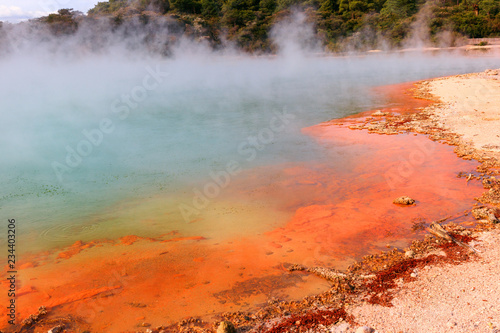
x=447, y=298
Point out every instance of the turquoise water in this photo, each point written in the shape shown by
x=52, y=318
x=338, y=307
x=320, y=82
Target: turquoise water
x=197, y=117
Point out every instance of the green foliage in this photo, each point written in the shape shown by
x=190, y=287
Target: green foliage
x=267, y=6
x=163, y=6
x=186, y=6
x=237, y=13
x=358, y=6
x=400, y=8
x=211, y=8
x=248, y=22
x=376, y=5
x=62, y=23
x=328, y=6
x=470, y=24
x=343, y=6
x=284, y=4
x=490, y=7
x=108, y=7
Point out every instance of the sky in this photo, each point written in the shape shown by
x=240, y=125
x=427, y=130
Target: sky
x=19, y=10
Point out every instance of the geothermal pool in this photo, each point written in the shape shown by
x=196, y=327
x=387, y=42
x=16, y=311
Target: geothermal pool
x=187, y=184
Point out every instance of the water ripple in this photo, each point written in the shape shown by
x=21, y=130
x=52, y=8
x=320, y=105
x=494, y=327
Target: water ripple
x=63, y=232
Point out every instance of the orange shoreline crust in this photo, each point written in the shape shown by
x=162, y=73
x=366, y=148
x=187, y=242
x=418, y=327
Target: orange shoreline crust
x=402, y=117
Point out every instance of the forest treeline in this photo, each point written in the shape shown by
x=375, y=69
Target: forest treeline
x=336, y=24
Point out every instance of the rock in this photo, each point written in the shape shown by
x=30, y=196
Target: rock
x=409, y=254
x=404, y=201
x=489, y=183
x=480, y=213
x=364, y=329
x=57, y=329
x=485, y=213
x=379, y=113
x=340, y=328
x=226, y=327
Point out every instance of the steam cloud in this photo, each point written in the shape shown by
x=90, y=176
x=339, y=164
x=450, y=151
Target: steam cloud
x=157, y=35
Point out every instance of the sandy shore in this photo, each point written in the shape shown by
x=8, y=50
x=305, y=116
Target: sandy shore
x=470, y=107
x=454, y=298
x=458, y=290
x=444, y=298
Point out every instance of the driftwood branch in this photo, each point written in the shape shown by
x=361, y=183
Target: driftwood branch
x=326, y=273
x=437, y=230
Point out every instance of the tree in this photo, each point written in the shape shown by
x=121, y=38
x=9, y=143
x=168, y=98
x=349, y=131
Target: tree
x=357, y=5
x=108, y=7
x=490, y=7
x=237, y=12
x=284, y=4
x=343, y=6
x=400, y=8
x=471, y=25
x=211, y=8
x=267, y=6
x=186, y=6
x=64, y=22
x=328, y=6
x=161, y=6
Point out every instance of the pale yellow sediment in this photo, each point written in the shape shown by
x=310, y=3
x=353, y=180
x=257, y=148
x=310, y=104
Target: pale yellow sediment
x=470, y=107
x=453, y=298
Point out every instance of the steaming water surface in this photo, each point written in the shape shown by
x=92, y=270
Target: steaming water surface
x=162, y=144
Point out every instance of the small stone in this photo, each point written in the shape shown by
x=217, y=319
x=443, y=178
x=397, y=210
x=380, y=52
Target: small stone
x=409, y=254
x=484, y=213
x=404, y=201
x=341, y=328
x=226, y=327
x=379, y=113
x=57, y=329
x=413, y=275
x=451, y=324
x=365, y=329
